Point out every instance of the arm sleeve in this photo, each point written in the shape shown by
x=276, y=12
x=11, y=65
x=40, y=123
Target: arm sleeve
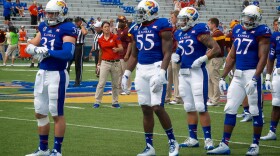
x=66, y=53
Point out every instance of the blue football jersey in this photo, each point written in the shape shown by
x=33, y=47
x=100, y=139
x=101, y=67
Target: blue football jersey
x=246, y=44
x=148, y=40
x=189, y=47
x=52, y=38
x=275, y=48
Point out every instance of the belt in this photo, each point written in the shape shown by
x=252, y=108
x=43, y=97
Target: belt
x=112, y=60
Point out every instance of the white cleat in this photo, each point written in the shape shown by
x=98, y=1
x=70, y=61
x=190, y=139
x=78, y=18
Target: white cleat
x=40, y=152
x=190, y=142
x=55, y=153
x=208, y=144
x=247, y=117
x=253, y=150
x=148, y=151
x=173, y=148
x=222, y=149
x=270, y=136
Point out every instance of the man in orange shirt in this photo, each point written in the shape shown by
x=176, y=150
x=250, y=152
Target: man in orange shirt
x=215, y=64
x=33, y=10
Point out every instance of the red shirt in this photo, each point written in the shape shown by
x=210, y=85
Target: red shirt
x=125, y=39
x=33, y=10
x=107, y=46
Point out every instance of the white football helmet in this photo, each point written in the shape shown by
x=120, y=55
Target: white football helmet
x=56, y=11
x=147, y=10
x=187, y=17
x=251, y=16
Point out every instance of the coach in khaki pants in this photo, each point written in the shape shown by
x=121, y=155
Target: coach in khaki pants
x=109, y=61
x=173, y=68
x=215, y=64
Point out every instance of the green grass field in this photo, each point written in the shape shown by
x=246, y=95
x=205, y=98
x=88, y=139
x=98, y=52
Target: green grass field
x=107, y=131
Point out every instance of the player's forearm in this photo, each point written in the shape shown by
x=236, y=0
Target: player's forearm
x=228, y=66
x=260, y=66
x=215, y=51
x=131, y=63
x=269, y=66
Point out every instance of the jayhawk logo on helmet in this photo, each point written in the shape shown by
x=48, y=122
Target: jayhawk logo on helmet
x=151, y=5
x=61, y=3
x=190, y=11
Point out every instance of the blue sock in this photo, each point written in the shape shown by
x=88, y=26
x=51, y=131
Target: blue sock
x=57, y=143
x=226, y=138
x=43, y=142
x=246, y=109
x=207, y=132
x=273, y=126
x=170, y=134
x=256, y=138
x=149, y=138
x=230, y=119
x=193, y=131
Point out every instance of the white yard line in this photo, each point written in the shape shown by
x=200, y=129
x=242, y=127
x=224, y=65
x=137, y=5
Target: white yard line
x=73, y=107
x=130, y=131
x=28, y=107
x=1, y=110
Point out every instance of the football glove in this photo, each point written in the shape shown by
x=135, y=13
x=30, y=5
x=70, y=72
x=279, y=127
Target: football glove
x=40, y=57
x=157, y=81
x=222, y=85
x=175, y=58
x=198, y=62
x=125, y=77
x=250, y=87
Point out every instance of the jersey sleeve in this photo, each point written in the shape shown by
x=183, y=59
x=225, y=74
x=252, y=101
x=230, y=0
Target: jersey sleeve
x=69, y=29
x=272, y=54
x=164, y=25
x=263, y=31
x=201, y=28
x=117, y=39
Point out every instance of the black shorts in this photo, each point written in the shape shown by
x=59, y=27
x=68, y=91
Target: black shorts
x=7, y=18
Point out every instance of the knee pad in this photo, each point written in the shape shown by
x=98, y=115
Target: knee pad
x=275, y=102
x=189, y=107
x=43, y=121
x=254, y=110
x=200, y=107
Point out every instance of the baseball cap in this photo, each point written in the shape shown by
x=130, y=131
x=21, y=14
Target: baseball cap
x=97, y=24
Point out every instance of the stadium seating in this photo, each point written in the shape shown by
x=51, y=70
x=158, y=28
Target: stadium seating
x=225, y=10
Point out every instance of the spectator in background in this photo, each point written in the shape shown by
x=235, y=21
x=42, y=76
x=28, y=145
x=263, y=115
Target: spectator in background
x=41, y=13
x=200, y=3
x=7, y=11
x=19, y=9
x=113, y=28
x=79, y=51
x=229, y=38
x=173, y=68
x=215, y=64
x=225, y=30
x=126, y=39
x=33, y=10
x=220, y=27
x=33, y=59
x=275, y=25
x=129, y=22
x=98, y=19
x=177, y=5
x=245, y=4
x=22, y=36
x=278, y=10
x=12, y=40
x=90, y=25
x=95, y=47
x=2, y=42
x=256, y=3
x=109, y=62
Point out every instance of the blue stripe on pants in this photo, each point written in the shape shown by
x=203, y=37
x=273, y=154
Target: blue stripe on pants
x=205, y=86
x=61, y=93
x=163, y=95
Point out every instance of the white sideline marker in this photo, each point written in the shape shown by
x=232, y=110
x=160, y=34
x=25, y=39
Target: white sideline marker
x=124, y=130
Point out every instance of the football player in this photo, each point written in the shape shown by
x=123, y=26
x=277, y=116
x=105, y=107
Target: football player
x=53, y=46
x=274, y=86
x=151, y=52
x=249, y=51
x=193, y=41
